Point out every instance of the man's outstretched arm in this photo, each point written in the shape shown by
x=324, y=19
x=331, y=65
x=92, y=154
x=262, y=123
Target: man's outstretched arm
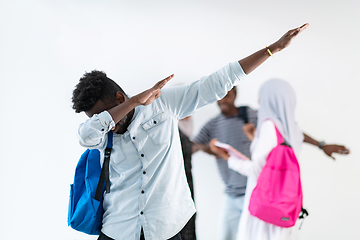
x=251, y=62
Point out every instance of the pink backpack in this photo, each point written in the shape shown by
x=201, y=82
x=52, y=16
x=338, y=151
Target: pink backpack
x=277, y=197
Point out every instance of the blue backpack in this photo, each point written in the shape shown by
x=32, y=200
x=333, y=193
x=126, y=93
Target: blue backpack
x=86, y=193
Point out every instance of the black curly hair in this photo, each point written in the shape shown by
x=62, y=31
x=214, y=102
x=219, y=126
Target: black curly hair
x=94, y=86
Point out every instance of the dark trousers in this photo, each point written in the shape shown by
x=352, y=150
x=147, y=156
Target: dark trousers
x=104, y=237
x=188, y=232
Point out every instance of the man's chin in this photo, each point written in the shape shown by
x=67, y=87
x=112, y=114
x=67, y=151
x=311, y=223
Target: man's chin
x=122, y=125
x=119, y=129
x=115, y=129
x=224, y=110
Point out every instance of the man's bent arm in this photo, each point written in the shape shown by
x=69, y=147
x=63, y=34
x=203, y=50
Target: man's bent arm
x=144, y=98
x=92, y=132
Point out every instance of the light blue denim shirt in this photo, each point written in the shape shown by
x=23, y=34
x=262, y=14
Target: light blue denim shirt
x=148, y=183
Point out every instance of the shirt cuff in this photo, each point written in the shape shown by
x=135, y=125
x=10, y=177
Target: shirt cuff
x=236, y=67
x=235, y=163
x=106, y=120
x=232, y=160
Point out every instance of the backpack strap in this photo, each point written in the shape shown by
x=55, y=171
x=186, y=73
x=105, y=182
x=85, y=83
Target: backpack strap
x=280, y=139
x=243, y=114
x=105, y=175
x=302, y=216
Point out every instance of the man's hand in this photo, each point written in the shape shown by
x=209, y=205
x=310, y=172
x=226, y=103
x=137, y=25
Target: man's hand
x=251, y=62
x=330, y=149
x=148, y=96
x=286, y=39
x=202, y=147
x=249, y=130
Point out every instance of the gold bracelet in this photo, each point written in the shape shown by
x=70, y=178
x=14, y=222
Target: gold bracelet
x=268, y=50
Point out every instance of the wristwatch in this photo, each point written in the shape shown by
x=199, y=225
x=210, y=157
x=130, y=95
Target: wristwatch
x=322, y=144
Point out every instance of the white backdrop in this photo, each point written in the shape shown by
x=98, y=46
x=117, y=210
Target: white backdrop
x=46, y=46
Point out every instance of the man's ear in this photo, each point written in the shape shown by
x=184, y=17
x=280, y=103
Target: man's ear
x=120, y=98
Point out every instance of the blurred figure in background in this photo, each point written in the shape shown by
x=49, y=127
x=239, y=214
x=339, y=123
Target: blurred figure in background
x=227, y=127
x=185, y=130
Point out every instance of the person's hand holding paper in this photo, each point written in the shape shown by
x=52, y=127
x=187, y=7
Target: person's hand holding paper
x=225, y=150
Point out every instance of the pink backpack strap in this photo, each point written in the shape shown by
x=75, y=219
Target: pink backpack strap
x=280, y=139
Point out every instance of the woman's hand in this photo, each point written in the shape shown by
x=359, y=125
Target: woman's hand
x=218, y=151
x=225, y=151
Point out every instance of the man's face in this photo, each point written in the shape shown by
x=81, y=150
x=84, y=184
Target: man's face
x=227, y=103
x=101, y=106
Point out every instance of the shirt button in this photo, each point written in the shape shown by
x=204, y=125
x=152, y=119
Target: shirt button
x=133, y=138
x=142, y=191
x=154, y=122
x=141, y=212
x=142, y=155
x=144, y=172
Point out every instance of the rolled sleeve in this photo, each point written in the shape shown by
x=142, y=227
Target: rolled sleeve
x=92, y=132
x=234, y=73
x=184, y=100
